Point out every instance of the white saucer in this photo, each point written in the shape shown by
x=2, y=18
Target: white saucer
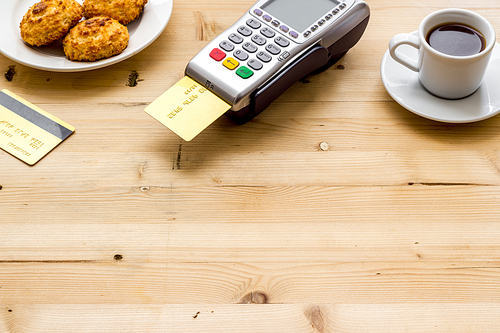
x=403, y=85
x=142, y=31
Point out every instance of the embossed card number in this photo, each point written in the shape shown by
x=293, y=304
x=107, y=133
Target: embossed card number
x=187, y=108
x=190, y=99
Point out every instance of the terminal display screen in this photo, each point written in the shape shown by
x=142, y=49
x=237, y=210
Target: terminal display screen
x=299, y=14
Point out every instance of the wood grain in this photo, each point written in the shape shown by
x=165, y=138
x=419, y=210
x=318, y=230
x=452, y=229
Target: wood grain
x=335, y=210
x=254, y=318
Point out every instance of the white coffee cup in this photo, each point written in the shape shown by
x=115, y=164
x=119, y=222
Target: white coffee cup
x=444, y=75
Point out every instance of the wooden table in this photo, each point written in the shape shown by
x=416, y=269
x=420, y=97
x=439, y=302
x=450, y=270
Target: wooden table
x=335, y=210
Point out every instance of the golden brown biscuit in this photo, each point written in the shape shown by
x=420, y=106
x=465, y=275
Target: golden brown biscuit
x=124, y=11
x=49, y=20
x=97, y=38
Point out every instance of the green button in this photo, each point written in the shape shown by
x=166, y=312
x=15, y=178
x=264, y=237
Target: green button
x=244, y=72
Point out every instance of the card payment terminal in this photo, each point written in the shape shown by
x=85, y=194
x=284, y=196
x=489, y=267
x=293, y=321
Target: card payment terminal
x=276, y=43
x=244, y=69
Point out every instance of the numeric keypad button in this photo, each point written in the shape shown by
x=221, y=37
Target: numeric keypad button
x=269, y=33
x=281, y=41
x=226, y=46
x=254, y=24
x=273, y=49
x=245, y=31
x=259, y=40
x=236, y=38
x=255, y=64
x=263, y=56
x=240, y=55
x=249, y=47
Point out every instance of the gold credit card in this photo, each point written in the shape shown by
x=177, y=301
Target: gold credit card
x=187, y=108
x=26, y=131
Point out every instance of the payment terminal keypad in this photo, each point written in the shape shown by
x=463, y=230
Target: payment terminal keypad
x=251, y=45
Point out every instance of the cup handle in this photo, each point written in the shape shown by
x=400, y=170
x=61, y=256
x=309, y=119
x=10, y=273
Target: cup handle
x=403, y=59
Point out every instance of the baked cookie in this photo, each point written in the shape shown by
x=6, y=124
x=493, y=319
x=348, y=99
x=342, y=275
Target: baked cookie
x=96, y=38
x=124, y=11
x=49, y=20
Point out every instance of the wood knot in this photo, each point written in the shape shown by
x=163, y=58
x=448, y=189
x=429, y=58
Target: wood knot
x=324, y=146
x=255, y=297
x=10, y=73
x=133, y=79
x=316, y=317
x=142, y=169
x=118, y=257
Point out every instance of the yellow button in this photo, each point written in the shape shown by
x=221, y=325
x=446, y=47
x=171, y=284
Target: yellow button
x=231, y=63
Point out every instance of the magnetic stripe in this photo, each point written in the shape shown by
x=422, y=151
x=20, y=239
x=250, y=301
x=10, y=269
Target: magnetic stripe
x=33, y=116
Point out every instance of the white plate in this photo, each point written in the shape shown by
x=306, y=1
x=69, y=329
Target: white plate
x=143, y=32
x=403, y=85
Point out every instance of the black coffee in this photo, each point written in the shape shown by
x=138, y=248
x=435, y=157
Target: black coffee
x=456, y=39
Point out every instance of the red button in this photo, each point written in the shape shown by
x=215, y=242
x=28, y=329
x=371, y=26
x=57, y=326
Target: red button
x=217, y=54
